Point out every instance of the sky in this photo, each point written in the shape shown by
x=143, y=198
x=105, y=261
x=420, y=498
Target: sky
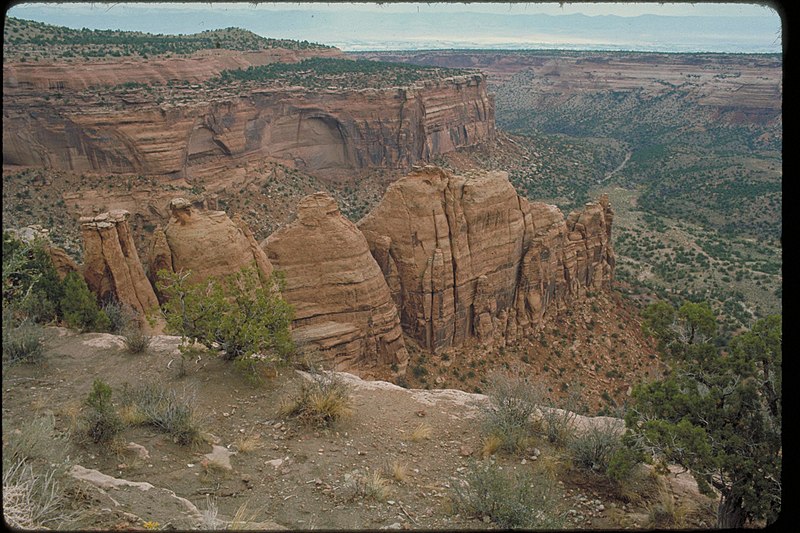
x=705, y=26
x=623, y=9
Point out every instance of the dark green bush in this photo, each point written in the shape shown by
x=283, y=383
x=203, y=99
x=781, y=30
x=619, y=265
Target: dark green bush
x=80, y=306
x=103, y=422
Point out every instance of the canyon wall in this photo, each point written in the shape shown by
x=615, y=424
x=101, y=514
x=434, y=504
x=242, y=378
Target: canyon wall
x=203, y=132
x=465, y=256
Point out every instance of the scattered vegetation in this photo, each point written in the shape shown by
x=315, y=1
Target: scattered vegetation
x=510, y=499
x=325, y=72
x=40, y=40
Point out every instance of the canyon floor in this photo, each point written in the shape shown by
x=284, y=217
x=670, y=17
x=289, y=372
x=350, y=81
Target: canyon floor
x=284, y=474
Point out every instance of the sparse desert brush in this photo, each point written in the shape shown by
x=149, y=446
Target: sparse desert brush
x=513, y=401
x=23, y=343
x=666, y=512
x=320, y=402
x=511, y=499
x=397, y=471
x=164, y=409
x=248, y=442
x=423, y=431
x=369, y=485
x=135, y=339
x=31, y=499
x=491, y=445
x=594, y=449
x=244, y=517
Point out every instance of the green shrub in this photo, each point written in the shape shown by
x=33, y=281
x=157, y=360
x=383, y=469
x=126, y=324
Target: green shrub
x=79, y=306
x=235, y=314
x=511, y=499
x=103, y=422
x=22, y=343
x=30, y=282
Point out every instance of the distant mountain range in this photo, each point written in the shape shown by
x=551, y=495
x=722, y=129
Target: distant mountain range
x=355, y=31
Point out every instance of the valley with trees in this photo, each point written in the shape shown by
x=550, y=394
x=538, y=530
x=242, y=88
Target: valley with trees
x=458, y=289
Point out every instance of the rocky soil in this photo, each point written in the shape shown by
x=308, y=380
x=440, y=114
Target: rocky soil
x=277, y=473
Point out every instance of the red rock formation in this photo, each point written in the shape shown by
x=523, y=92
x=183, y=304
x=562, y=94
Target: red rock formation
x=316, y=130
x=342, y=303
x=466, y=256
x=207, y=243
x=111, y=263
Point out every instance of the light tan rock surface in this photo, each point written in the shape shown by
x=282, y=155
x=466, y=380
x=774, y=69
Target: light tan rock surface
x=467, y=257
x=111, y=263
x=342, y=303
x=205, y=242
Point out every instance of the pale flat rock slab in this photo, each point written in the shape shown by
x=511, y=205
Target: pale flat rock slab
x=220, y=456
x=142, y=499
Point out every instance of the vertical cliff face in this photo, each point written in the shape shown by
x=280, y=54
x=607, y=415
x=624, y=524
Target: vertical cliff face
x=205, y=243
x=315, y=130
x=341, y=301
x=111, y=263
x=466, y=256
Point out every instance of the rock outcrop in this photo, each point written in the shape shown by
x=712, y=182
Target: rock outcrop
x=341, y=301
x=328, y=131
x=467, y=257
x=206, y=243
x=111, y=264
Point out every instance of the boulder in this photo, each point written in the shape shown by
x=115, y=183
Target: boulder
x=342, y=303
x=111, y=264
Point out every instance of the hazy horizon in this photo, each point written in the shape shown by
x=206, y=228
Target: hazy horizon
x=731, y=28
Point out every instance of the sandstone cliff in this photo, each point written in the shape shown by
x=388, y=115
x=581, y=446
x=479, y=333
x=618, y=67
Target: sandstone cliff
x=466, y=256
x=111, y=263
x=342, y=303
x=196, y=137
x=207, y=243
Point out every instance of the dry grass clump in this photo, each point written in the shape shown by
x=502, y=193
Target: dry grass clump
x=423, y=431
x=491, y=445
x=320, y=402
x=162, y=408
x=397, y=471
x=371, y=486
x=248, y=443
x=665, y=512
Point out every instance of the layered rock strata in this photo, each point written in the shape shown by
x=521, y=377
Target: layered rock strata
x=317, y=130
x=341, y=301
x=467, y=257
x=206, y=243
x=111, y=264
